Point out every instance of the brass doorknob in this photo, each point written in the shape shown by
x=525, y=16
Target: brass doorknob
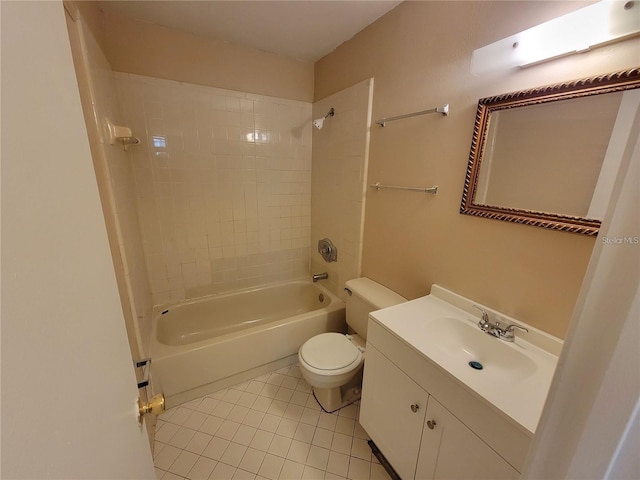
x=155, y=406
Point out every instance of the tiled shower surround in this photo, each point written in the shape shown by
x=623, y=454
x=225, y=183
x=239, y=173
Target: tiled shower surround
x=223, y=181
x=118, y=190
x=341, y=158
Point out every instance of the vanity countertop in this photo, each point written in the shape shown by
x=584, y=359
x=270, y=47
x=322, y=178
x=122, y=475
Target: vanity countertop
x=515, y=376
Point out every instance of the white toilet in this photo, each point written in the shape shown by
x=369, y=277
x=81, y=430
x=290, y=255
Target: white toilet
x=332, y=362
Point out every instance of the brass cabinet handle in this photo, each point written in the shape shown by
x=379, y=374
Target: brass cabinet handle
x=415, y=407
x=431, y=424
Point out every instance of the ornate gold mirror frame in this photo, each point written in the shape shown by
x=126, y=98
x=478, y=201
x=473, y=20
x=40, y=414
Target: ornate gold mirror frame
x=614, y=82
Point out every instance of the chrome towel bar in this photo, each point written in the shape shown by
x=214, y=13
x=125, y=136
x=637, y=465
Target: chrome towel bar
x=432, y=190
x=443, y=110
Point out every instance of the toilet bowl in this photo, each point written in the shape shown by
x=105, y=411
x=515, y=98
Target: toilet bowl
x=331, y=359
x=332, y=362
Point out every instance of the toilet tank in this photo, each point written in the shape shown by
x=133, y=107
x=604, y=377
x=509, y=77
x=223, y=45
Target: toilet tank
x=367, y=296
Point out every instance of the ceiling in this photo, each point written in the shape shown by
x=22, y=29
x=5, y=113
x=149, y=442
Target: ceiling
x=304, y=30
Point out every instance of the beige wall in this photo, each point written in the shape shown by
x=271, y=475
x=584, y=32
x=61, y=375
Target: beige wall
x=134, y=46
x=419, y=55
x=93, y=17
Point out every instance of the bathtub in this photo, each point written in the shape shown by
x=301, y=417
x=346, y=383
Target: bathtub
x=208, y=344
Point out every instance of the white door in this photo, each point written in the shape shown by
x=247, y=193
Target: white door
x=68, y=386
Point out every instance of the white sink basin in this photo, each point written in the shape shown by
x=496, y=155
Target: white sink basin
x=469, y=347
x=515, y=376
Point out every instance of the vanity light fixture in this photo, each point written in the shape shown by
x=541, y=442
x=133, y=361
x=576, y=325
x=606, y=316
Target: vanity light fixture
x=602, y=23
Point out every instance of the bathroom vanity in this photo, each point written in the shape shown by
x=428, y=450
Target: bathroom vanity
x=433, y=415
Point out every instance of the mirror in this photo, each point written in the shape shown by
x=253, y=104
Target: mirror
x=549, y=156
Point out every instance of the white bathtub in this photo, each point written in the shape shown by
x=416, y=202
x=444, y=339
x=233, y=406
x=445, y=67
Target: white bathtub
x=208, y=344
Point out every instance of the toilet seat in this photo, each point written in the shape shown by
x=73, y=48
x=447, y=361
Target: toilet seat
x=330, y=352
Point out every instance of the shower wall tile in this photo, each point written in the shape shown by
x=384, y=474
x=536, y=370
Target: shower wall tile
x=339, y=186
x=223, y=186
x=117, y=184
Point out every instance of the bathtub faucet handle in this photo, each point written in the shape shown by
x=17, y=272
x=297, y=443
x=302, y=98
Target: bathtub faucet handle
x=327, y=250
x=320, y=276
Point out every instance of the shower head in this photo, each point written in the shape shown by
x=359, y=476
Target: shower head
x=318, y=122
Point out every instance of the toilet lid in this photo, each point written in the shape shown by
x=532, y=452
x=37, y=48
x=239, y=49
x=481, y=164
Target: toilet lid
x=329, y=351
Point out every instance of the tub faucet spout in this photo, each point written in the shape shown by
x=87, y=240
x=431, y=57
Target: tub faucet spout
x=320, y=276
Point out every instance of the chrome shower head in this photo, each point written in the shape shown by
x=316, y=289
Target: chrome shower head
x=318, y=122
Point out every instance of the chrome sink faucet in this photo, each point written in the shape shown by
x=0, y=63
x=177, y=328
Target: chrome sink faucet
x=503, y=333
x=484, y=324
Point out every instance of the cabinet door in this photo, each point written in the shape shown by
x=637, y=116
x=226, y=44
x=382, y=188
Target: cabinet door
x=449, y=450
x=392, y=411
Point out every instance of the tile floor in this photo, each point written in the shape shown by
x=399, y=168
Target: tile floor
x=270, y=427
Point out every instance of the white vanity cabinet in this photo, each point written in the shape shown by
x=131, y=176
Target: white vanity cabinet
x=419, y=437
x=449, y=450
x=392, y=411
